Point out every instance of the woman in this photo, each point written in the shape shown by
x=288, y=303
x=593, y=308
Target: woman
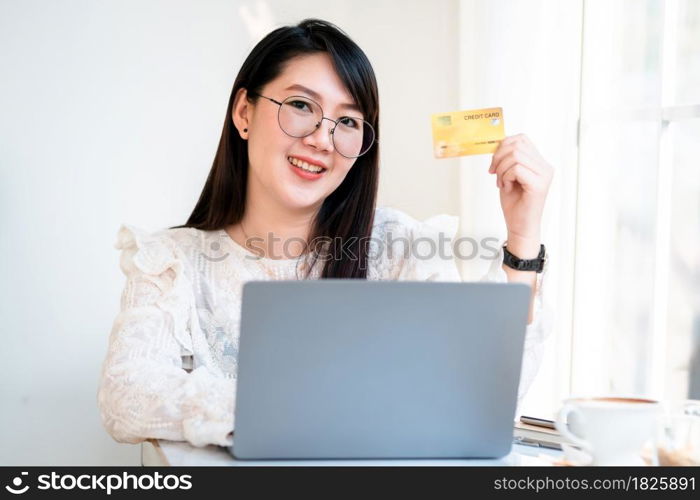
x=291, y=195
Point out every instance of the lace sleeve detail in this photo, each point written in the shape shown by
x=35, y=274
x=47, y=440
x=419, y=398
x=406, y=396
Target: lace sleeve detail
x=536, y=332
x=409, y=249
x=144, y=391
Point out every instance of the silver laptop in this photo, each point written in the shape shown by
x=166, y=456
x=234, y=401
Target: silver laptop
x=378, y=369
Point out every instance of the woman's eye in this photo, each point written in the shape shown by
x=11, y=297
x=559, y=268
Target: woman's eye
x=300, y=105
x=349, y=122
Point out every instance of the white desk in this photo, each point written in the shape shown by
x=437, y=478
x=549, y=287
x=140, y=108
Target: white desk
x=162, y=453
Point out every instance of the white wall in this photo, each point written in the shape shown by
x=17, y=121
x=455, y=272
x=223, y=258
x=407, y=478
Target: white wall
x=111, y=112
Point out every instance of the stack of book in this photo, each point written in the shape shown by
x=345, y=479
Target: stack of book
x=537, y=432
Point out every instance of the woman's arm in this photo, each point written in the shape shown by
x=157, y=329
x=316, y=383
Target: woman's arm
x=144, y=391
x=523, y=178
x=524, y=249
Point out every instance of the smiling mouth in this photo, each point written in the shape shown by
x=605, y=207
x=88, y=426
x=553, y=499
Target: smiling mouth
x=307, y=167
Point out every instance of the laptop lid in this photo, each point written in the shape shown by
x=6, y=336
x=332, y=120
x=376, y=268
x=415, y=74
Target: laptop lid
x=378, y=369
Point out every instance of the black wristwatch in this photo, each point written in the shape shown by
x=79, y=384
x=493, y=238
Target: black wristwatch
x=518, y=264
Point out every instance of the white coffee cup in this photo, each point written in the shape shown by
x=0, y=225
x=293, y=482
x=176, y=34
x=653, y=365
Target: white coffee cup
x=613, y=430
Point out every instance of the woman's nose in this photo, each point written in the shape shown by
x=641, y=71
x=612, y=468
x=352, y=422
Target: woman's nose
x=321, y=138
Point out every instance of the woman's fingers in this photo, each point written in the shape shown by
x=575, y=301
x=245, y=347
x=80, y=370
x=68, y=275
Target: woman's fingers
x=518, y=174
x=519, y=142
x=507, y=145
x=510, y=160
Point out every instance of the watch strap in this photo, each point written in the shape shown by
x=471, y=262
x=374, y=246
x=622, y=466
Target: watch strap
x=519, y=264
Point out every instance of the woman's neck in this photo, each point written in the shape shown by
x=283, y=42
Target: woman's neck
x=275, y=232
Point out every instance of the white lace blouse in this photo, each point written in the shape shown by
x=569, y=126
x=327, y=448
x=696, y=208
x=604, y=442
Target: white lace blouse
x=170, y=369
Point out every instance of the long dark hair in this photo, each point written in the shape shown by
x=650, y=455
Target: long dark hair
x=344, y=221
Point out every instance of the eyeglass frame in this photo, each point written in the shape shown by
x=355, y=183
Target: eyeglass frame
x=336, y=122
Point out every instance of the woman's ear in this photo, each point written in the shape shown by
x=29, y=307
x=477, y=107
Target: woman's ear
x=240, y=114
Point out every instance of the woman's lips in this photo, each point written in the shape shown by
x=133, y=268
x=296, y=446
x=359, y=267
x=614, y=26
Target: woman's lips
x=304, y=174
x=308, y=161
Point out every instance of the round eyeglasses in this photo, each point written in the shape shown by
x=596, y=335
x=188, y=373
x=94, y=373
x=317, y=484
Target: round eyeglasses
x=299, y=116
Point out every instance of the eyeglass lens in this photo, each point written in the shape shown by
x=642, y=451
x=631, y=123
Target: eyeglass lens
x=299, y=117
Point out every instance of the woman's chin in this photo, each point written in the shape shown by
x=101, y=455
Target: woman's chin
x=302, y=201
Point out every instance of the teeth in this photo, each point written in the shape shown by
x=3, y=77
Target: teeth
x=303, y=165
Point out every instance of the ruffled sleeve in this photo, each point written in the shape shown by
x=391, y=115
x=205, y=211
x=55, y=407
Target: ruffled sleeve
x=404, y=248
x=536, y=332
x=144, y=391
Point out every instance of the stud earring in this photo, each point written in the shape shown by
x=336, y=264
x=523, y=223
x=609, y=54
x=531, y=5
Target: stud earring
x=245, y=130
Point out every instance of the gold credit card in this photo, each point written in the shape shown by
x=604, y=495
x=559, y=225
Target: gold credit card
x=473, y=132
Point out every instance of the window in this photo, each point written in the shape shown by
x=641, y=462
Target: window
x=610, y=92
x=638, y=213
